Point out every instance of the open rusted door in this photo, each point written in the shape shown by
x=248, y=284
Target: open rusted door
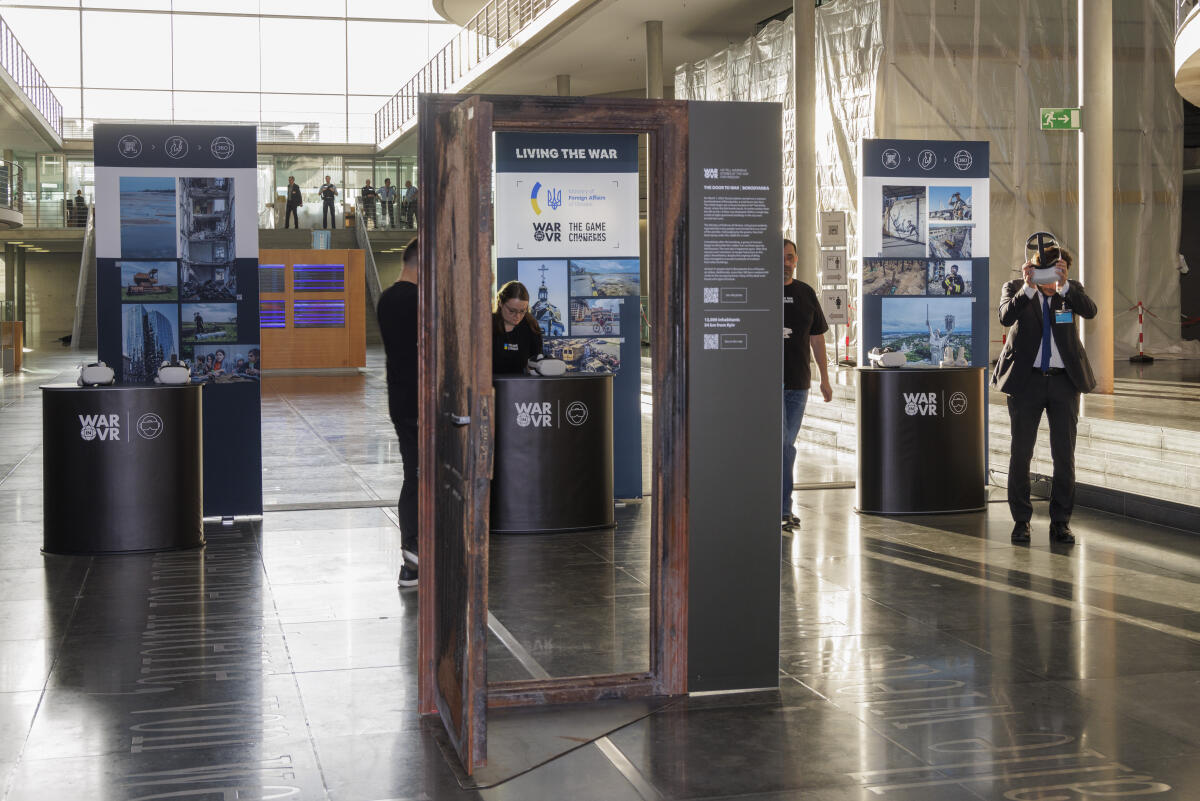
x=456, y=420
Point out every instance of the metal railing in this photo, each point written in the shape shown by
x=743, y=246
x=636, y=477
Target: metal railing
x=12, y=186
x=16, y=62
x=490, y=29
x=1184, y=11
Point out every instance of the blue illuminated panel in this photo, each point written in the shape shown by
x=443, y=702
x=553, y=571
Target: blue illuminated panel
x=319, y=278
x=270, y=278
x=319, y=314
x=272, y=314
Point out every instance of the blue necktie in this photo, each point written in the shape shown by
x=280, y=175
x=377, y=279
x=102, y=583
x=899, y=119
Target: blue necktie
x=1046, y=323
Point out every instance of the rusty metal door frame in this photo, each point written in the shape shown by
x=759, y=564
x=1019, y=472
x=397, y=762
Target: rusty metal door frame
x=665, y=122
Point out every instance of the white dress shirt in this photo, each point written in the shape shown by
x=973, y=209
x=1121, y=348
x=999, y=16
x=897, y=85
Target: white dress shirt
x=1055, y=356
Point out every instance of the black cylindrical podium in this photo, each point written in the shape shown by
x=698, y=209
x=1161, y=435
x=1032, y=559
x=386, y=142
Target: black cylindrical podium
x=123, y=468
x=553, y=462
x=921, y=435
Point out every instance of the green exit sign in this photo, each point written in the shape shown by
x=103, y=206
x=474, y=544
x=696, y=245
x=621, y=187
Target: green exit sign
x=1060, y=119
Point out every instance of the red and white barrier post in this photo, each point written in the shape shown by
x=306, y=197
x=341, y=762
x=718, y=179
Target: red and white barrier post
x=1141, y=357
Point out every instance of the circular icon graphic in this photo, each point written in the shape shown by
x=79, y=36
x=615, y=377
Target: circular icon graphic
x=221, y=147
x=88, y=433
x=910, y=408
x=539, y=235
x=577, y=413
x=927, y=159
x=523, y=419
x=958, y=403
x=176, y=147
x=891, y=158
x=149, y=425
x=963, y=160
x=129, y=146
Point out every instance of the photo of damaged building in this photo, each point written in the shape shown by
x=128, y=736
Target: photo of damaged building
x=206, y=245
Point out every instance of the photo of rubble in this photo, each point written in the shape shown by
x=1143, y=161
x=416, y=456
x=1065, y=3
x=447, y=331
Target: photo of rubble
x=147, y=218
x=209, y=322
x=586, y=354
x=903, y=221
x=149, y=281
x=206, y=238
x=950, y=242
x=208, y=282
x=592, y=316
x=893, y=276
x=604, y=278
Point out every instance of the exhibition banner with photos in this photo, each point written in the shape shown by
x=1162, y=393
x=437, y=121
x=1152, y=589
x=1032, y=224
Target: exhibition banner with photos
x=176, y=279
x=924, y=232
x=567, y=228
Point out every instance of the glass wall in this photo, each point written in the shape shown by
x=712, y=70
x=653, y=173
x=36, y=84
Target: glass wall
x=51, y=180
x=301, y=70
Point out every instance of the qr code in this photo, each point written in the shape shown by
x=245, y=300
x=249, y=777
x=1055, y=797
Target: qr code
x=712, y=294
x=712, y=341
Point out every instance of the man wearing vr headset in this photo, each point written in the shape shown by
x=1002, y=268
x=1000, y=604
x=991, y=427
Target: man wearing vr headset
x=1043, y=367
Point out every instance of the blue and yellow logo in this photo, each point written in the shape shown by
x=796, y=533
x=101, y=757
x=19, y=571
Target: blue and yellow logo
x=553, y=198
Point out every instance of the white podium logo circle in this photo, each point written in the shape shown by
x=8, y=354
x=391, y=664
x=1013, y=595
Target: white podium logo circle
x=149, y=425
x=958, y=403
x=577, y=413
x=523, y=419
x=87, y=433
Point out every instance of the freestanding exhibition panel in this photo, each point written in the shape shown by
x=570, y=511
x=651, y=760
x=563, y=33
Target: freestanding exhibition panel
x=123, y=468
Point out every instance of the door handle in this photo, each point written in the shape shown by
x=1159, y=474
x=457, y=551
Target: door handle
x=459, y=419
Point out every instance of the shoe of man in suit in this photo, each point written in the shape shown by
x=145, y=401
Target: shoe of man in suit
x=1060, y=531
x=1020, y=532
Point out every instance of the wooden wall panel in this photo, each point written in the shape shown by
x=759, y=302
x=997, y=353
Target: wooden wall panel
x=297, y=348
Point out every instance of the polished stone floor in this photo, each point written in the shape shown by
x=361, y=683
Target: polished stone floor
x=921, y=658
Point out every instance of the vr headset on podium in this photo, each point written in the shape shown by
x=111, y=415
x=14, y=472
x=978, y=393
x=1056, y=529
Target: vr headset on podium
x=1045, y=246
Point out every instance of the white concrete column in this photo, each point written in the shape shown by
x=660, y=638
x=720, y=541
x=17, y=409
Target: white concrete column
x=804, y=50
x=1096, y=182
x=564, y=85
x=654, y=59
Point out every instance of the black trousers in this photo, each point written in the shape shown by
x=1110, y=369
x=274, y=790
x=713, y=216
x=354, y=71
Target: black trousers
x=406, y=432
x=1057, y=396
x=291, y=215
x=327, y=214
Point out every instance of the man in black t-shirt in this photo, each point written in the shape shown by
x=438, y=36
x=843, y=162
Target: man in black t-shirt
x=397, y=312
x=804, y=327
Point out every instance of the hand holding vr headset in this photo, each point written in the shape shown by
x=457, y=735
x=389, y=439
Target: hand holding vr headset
x=1044, y=263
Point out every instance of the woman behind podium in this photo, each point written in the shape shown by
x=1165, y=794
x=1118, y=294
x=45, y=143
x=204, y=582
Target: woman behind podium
x=516, y=336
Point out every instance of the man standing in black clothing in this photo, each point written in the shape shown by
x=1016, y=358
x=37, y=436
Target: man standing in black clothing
x=328, y=194
x=387, y=196
x=397, y=312
x=368, y=202
x=1043, y=367
x=294, y=201
x=804, y=328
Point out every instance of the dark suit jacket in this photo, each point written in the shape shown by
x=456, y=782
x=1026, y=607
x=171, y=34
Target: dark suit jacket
x=1014, y=369
x=294, y=199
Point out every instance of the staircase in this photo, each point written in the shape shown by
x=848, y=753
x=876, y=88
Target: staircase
x=83, y=332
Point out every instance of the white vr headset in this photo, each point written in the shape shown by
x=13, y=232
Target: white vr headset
x=173, y=372
x=96, y=374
